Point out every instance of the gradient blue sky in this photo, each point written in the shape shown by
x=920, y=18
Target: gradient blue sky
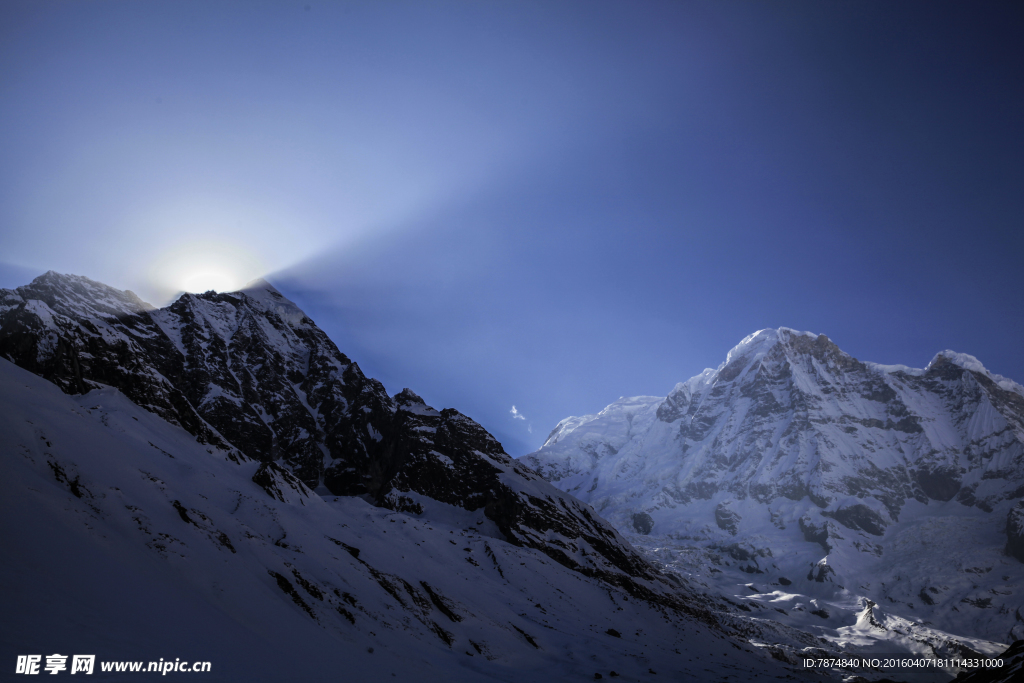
x=540, y=204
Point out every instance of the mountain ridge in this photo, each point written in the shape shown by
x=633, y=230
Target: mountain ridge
x=250, y=373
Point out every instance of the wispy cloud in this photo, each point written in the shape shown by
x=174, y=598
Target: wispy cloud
x=516, y=415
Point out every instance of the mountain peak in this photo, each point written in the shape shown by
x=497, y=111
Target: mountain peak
x=969, y=362
x=760, y=339
x=964, y=360
x=260, y=284
x=408, y=397
x=78, y=295
x=270, y=299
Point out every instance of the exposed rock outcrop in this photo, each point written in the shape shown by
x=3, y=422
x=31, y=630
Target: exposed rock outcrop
x=250, y=371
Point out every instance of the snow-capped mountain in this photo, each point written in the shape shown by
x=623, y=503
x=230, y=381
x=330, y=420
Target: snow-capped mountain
x=215, y=481
x=812, y=483
x=248, y=371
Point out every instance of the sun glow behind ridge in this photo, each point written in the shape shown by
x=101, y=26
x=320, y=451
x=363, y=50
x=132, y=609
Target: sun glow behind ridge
x=201, y=266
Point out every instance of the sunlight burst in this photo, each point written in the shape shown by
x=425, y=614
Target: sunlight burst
x=201, y=266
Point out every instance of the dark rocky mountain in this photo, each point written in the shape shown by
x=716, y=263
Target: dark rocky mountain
x=249, y=371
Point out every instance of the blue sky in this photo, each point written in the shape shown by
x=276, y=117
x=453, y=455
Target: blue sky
x=547, y=205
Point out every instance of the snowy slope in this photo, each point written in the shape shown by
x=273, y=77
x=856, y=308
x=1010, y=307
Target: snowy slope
x=217, y=478
x=797, y=469
x=249, y=372
x=127, y=538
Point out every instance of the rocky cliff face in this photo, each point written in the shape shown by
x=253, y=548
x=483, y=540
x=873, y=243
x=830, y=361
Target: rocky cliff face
x=447, y=457
x=250, y=372
x=793, y=449
x=80, y=335
x=246, y=368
